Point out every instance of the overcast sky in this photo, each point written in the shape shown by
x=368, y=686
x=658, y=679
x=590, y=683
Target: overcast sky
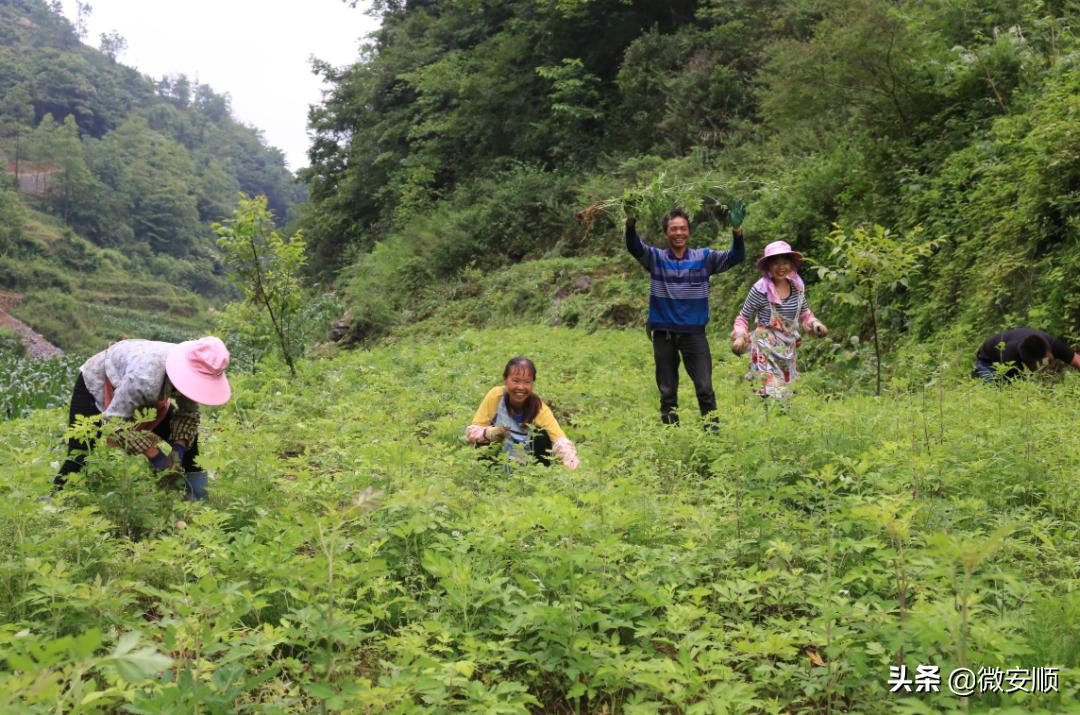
x=255, y=51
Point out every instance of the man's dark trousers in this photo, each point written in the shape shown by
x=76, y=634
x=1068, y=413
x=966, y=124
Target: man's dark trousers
x=694, y=351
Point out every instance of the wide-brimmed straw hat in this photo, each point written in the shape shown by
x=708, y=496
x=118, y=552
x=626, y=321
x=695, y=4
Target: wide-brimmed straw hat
x=197, y=369
x=779, y=248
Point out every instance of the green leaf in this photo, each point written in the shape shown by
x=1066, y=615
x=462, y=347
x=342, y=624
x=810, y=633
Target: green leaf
x=135, y=666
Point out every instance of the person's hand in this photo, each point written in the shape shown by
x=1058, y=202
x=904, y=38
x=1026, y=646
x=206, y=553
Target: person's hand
x=160, y=462
x=631, y=202
x=819, y=329
x=736, y=214
x=740, y=342
x=496, y=433
x=565, y=450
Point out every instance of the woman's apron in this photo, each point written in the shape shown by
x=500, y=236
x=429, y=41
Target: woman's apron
x=162, y=407
x=772, y=355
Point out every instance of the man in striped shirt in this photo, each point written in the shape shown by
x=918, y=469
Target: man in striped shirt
x=679, y=305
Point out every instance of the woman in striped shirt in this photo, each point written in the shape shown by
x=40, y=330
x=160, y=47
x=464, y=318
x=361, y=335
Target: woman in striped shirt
x=776, y=305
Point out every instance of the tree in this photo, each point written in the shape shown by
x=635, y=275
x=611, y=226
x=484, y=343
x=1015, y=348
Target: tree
x=18, y=111
x=113, y=44
x=863, y=63
x=63, y=84
x=152, y=178
x=869, y=263
x=83, y=10
x=575, y=105
x=12, y=219
x=77, y=184
x=266, y=268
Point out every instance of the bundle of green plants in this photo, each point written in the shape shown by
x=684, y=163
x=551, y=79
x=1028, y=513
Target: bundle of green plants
x=704, y=199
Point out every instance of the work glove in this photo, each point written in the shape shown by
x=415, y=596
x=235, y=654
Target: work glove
x=631, y=223
x=565, y=450
x=496, y=433
x=631, y=205
x=819, y=329
x=736, y=213
x=160, y=462
x=178, y=451
x=740, y=342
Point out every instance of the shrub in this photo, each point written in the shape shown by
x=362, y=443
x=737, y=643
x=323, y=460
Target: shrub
x=11, y=345
x=22, y=275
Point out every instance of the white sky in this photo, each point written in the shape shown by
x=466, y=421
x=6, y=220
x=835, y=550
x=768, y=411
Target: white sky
x=255, y=51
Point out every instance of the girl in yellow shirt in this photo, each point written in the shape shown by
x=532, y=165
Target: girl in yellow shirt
x=516, y=416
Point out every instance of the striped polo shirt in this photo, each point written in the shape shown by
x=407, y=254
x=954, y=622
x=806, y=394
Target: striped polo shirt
x=679, y=289
x=756, y=306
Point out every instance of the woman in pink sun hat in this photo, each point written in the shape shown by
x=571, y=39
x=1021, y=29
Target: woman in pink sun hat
x=776, y=306
x=172, y=379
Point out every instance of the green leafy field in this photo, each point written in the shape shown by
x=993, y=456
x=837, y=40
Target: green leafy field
x=28, y=384
x=780, y=566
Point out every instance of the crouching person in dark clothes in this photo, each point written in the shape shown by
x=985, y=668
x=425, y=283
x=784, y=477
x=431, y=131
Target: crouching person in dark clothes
x=1018, y=349
x=516, y=416
x=134, y=375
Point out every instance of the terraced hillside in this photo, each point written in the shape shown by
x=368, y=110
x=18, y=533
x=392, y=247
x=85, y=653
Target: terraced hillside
x=81, y=297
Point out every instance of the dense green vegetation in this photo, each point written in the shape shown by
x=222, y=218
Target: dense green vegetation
x=357, y=556
x=28, y=384
x=111, y=182
x=469, y=135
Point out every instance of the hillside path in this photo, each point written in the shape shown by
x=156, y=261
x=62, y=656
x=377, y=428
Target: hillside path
x=36, y=344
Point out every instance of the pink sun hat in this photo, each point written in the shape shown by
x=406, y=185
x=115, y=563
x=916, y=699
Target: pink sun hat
x=779, y=248
x=197, y=369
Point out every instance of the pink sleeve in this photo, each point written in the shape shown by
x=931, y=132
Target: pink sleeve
x=807, y=319
x=741, y=326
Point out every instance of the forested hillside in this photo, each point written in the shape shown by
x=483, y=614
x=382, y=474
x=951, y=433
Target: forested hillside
x=112, y=181
x=469, y=135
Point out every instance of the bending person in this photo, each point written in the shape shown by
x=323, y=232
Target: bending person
x=133, y=375
x=1018, y=349
x=516, y=416
x=776, y=305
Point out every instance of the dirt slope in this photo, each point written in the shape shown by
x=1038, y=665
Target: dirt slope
x=36, y=345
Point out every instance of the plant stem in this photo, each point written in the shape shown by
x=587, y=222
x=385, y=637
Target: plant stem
x=901, y=594
x=877, y=344
x=328, y=550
